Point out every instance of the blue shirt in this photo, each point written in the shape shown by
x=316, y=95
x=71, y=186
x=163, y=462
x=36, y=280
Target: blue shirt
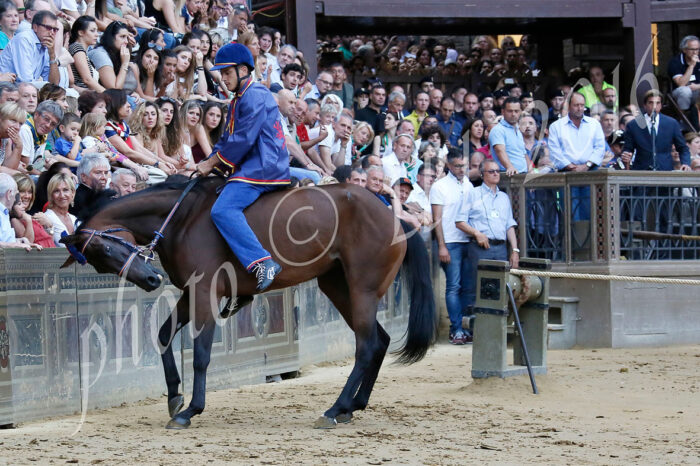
x=569, y=144
x=26, y=57
x=510, y=136
x=488, y=212
x=7, y=233
x=64, y=146
x=452, y=129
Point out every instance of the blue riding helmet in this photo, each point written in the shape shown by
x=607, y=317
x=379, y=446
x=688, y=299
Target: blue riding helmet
x=232, y=55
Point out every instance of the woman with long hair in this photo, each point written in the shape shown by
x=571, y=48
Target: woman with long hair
x=148, y=128
x=213, y=121
x=383, y=141
x=9, y=22
x=187, y=64
x=195, y=135
x=199, y=41
x=111, y=59
x=148, y=72
x=476, y=134
x=83, y=35
x=174, y=134
x=119, y=135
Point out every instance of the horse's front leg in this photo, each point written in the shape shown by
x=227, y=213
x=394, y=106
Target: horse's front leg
x=204, y=326
x=175, y=321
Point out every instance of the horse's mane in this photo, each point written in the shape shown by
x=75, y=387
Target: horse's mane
x=172, y=183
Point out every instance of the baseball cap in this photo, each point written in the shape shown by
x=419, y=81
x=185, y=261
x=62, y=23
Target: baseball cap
x=403, y=180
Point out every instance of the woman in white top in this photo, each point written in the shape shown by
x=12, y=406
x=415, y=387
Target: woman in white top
x=61, y=192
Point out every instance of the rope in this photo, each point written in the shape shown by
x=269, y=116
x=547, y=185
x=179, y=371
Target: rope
x=614, y=278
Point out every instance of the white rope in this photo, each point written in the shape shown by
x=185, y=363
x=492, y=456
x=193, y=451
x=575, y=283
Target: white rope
x=614, y=278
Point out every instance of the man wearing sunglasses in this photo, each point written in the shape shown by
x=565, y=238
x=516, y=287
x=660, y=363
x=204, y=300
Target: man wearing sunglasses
x=30, y=55
x=487, y=216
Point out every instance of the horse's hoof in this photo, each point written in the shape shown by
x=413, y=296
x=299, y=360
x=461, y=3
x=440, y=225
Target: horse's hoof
x=178, y=423
x=325, y=422
x=175, y=404
x=344, y=418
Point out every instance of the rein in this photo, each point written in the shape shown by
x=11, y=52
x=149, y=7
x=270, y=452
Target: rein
x=147, y=252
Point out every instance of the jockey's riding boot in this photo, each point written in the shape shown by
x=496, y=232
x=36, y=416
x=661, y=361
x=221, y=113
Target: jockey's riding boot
x=265, y=272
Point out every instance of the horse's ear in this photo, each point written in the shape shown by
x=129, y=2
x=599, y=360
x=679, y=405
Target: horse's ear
x=68, y=262
x=68, y=239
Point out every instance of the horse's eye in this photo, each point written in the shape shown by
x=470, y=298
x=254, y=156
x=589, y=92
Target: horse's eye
x=108, y=250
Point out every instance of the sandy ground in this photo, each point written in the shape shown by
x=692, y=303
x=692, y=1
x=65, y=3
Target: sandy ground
x=636, y=406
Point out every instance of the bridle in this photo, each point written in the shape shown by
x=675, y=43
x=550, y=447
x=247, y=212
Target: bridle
x=147, y=252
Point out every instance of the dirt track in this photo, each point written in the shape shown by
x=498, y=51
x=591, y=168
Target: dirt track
x=596, y=407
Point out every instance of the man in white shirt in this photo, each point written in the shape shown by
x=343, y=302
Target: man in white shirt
x=446, y=197
x=395, y=162
x=576, y=141
x=341, y=151
x=420, y=196
x=287, y=102
x=8, y=193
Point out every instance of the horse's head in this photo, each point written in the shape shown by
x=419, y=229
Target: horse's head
x=109, y=253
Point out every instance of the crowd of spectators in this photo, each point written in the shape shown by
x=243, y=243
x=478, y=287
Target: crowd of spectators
x=101, y=98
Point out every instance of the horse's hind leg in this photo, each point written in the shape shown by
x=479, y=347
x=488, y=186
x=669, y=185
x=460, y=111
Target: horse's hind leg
x=362, y=398
x=166, y=334
x=360, y=313
x=204, y=326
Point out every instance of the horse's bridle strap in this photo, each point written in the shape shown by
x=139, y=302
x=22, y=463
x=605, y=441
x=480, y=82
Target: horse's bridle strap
x=145, y=252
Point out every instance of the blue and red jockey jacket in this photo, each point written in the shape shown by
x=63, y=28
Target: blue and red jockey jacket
x=252, y=145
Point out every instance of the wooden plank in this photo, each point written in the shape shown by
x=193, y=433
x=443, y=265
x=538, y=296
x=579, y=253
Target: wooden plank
x=666, y=11
x=475, y=8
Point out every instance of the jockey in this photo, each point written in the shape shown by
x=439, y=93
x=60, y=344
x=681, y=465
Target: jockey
x=252, y=148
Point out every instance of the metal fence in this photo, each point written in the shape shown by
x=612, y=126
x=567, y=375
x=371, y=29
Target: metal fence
x=607, y=216
x=71, y=337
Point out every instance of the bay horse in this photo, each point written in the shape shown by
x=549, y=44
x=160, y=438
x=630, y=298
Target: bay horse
x=342, y=235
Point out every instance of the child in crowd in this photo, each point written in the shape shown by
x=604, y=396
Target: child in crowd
x=67, y=146
x=92, y=132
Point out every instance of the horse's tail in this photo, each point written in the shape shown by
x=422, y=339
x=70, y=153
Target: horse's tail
x=422, y=325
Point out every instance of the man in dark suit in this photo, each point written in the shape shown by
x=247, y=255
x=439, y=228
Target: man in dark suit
x=668, y=132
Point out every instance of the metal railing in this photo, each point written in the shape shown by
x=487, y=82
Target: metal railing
x=607, y=215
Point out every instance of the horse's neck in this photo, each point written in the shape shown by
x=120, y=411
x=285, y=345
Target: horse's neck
x=140, y=216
